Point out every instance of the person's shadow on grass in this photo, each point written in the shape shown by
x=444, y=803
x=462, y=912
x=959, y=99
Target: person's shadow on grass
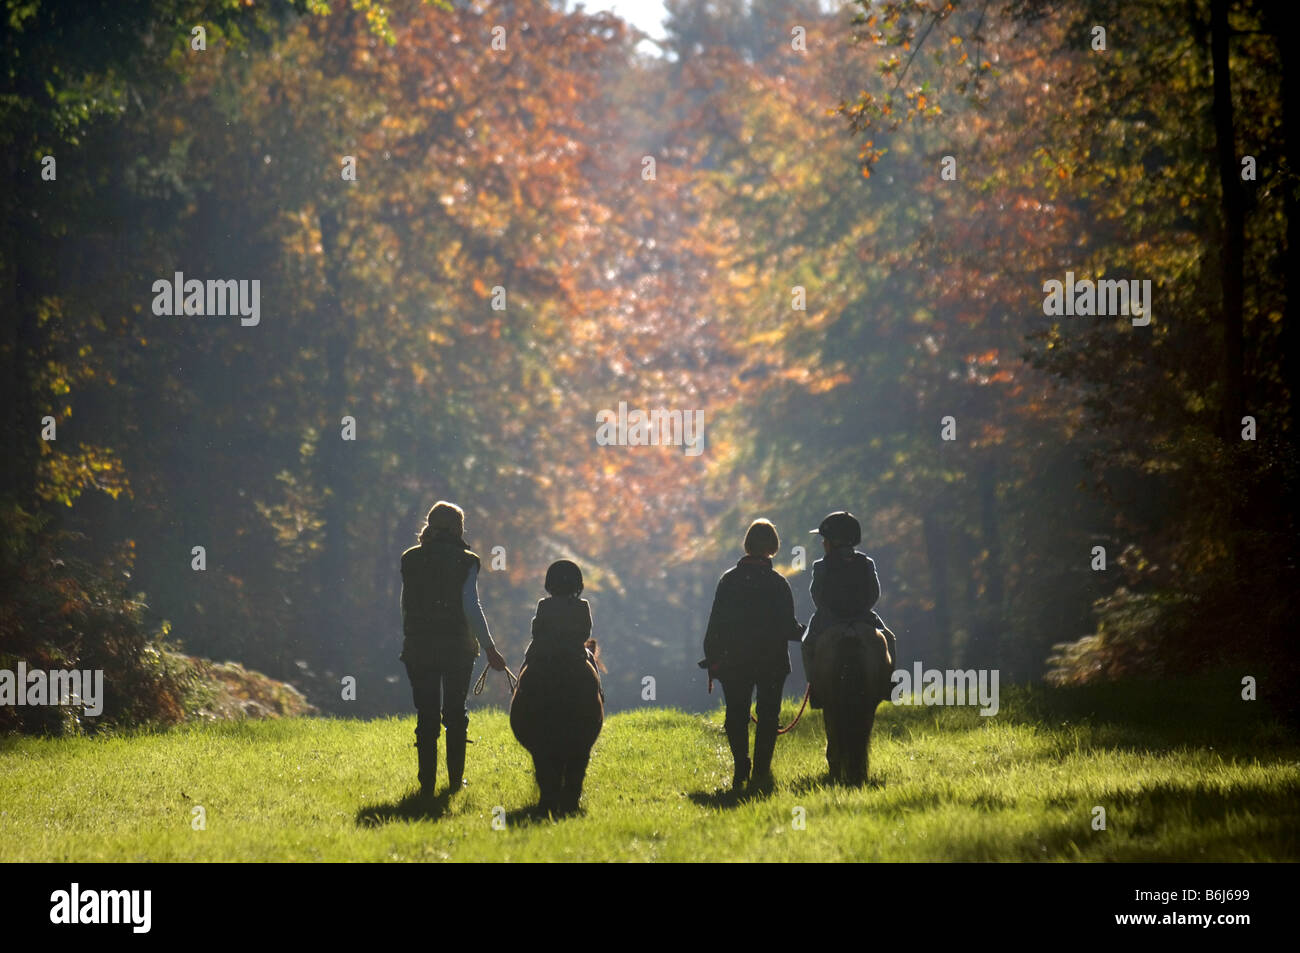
x=415, y=806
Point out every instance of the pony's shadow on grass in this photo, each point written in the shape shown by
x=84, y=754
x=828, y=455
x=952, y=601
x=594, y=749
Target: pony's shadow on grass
x=535, y=814
x=729, y=798
x=813, y=782
x=415, y=806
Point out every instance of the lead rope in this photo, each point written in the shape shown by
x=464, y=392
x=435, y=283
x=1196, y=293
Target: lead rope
x=482, y=679
x=780, y=731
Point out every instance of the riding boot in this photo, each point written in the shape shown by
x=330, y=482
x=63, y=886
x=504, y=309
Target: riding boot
x=455, y=760
x=738, y=740
x=764, y=746
x=427, y=753
x=741, y=773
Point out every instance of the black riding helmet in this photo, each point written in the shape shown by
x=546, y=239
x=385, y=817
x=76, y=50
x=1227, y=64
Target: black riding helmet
x=564, y=578
x=841, y=528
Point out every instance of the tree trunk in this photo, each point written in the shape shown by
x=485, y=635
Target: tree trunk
x=1291, y=205
x=332, y=452
x=1233, y=211
x=936, y=554
x=989, y=623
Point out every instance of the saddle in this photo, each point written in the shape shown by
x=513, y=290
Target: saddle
x=821, y=669
x=546, y=663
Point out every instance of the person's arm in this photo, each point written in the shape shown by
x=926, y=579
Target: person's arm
x=714, y=636
x=787, y=611
x=890, y=638
x=815, y=590
x=404, y=595
x=477, y=621
x=873, y=586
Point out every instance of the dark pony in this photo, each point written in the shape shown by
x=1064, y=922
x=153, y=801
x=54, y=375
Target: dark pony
x=556, y=713
x=851, y=669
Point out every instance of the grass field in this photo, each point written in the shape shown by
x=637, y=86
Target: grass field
x=1179, y=780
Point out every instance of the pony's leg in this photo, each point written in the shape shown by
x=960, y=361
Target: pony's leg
x=575, y=772
x=859, y=761
x=547, y=769
x=866, y=745
x=833, y=761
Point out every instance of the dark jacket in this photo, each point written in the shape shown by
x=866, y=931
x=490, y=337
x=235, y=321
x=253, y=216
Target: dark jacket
x=752, y=621
x=434, y=627
x=562, y=626
x=845, y=588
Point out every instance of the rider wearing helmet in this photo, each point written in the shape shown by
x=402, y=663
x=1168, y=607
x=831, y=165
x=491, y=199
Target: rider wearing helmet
x=845, y=587
x=562, y=625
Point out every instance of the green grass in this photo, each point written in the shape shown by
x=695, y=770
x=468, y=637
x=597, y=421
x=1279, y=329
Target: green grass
x=946, y=784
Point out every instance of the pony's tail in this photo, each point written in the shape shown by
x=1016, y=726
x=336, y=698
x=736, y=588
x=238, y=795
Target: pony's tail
x=594, y=649
x=853, y=666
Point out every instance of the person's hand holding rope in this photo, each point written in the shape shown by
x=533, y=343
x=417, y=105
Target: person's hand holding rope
x=495, y=661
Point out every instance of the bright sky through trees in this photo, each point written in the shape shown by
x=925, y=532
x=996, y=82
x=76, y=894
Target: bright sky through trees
x=646, y=15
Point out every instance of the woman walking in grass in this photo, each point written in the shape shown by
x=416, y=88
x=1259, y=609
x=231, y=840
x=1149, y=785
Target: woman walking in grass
x=746, y=649
x=443, y=628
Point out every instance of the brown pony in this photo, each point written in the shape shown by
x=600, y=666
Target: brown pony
x=556, y=713
x=851, y=669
